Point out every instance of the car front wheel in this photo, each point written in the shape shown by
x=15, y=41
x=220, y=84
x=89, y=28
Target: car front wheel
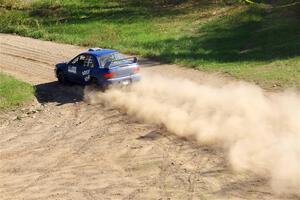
x=61, y=77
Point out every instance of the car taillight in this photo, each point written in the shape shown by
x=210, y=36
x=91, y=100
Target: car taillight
x=109, y=75
x=136, y=69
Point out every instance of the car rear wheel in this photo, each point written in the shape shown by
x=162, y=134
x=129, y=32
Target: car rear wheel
x=96, y=86
x=61, y=77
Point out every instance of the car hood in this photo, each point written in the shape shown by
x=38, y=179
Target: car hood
x=59, y=65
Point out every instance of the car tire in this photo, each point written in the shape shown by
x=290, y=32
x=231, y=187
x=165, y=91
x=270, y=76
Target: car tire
x=96, y=86
x=61, y=77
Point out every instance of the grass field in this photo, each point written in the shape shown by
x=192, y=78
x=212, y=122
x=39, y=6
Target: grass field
x=259, y=43
x=14, y=92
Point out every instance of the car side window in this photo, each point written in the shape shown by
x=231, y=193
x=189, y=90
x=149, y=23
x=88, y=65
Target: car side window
x=89, y=61
x=104, y=59
x=79, y=60
x=75, y=60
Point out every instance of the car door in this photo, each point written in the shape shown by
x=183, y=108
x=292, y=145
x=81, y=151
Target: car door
x=88, y=67
x=74, y=67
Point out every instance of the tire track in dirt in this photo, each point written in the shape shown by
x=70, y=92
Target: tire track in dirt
x=32, y=52
x=72, y=150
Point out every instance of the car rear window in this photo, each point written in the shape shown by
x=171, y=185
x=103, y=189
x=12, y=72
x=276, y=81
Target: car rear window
x=112, y=57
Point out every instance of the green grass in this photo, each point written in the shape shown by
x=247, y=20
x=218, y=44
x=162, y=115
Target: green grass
x=14, y=92
x=257, y=43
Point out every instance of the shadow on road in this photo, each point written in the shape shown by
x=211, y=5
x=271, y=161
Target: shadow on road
x=61, y=94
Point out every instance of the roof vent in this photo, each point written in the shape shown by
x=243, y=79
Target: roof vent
x=95, y=49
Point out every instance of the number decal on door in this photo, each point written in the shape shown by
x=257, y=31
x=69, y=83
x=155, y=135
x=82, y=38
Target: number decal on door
x=86, y=72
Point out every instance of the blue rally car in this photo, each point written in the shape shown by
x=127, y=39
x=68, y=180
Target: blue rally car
x=99, y=66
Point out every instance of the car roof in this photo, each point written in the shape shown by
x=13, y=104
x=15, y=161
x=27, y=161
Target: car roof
x=100, y=52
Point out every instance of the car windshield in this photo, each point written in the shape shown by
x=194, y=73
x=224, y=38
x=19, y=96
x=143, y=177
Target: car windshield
x=112, y=57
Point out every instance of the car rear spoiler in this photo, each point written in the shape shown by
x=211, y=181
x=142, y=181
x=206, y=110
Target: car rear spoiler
x=134, y=60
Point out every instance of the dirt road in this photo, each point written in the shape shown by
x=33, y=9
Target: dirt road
x=63, y=148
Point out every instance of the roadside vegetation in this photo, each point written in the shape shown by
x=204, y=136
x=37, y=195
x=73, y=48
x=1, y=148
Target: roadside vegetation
x=14, y=92
x=255, y=42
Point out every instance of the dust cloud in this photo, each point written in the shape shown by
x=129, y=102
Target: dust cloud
x=260, y=131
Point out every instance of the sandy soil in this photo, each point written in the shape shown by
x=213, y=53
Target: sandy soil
x=60, y=147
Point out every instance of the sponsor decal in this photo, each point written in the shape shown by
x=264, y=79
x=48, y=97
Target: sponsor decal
x=87, y=78
x=72, y=69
